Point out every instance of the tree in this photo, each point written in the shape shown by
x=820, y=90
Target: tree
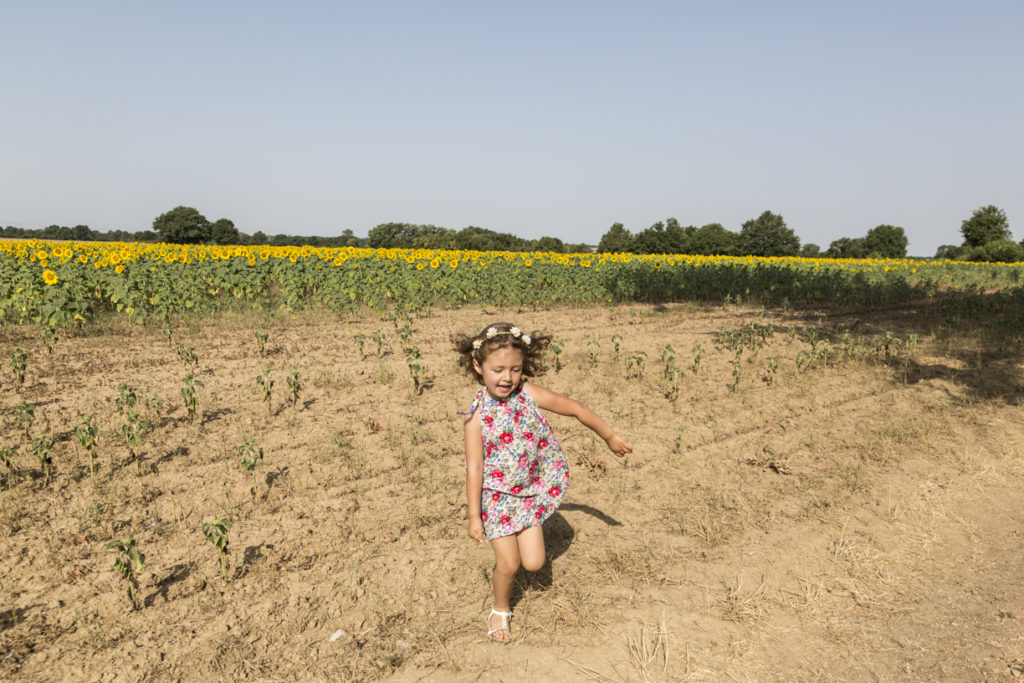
x=985, y=225
x=847, y=247
x=660, y=238
x=712, y=239
x=649, y=241
x=551, y=244
x=433, y=237
x=259, y=237
x=886, y=241
x=810, y=250
x=996, y=251
x=482, y=239
x=223, y=231
x=677, y=237
x=767, y=235
x=616, y=240
x=182, y=225
x=949, y=251
x=82, y=233
x=347, y=239
x=392, y=236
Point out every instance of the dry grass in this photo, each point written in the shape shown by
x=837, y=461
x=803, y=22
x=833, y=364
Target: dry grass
x=827, y=503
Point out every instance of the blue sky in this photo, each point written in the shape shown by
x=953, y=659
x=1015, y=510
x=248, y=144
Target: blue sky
x=536, y=118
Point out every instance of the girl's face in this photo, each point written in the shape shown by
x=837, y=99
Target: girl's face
x=501, y=371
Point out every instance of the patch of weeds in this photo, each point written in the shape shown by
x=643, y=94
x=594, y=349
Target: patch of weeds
x=743, y=606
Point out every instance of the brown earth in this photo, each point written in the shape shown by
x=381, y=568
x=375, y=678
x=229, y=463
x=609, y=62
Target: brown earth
x=789, y=514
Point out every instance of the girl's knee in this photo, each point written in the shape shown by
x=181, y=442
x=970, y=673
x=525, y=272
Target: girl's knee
x=507, y=565
x=533, y=564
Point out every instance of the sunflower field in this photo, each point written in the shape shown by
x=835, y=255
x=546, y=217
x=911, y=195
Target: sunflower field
x=59, y=283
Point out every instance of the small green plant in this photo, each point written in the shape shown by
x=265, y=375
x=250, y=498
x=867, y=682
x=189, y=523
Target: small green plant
x=132, y=432
x=593, y=350
x=668, y=359
x=616, y=341
x=294, y=387
x=169, y=334
x=252, y=457
x=216, y=532
x=266, y=387
x=771, y=370
x=672, y=372
x=26, y=416
x=677, y=443
x=41, y=447
x=155, y=404
x=188, y=356
x=261, y=340
x=18, y=364
x=128, y=564
x=127, y=400
x=698, y=354
x=557, y=347
x=404, y=330
x=359, y=339
x=48, y=335
x=88, y=435
x=737, y=370
x=414, y=360
x=7, y=458
x=380, y=341
x=636, y=362
x=188, y=396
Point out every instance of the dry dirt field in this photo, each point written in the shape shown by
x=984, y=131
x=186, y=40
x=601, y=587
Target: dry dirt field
x=813, y=500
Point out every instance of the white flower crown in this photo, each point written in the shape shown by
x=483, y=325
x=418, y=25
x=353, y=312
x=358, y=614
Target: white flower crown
x=493, y=332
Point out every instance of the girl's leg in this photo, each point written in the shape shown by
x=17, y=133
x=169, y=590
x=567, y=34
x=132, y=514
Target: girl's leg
x=531, y=548
x=506, y=564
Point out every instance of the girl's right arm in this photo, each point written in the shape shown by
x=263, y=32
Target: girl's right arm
x=474, y=475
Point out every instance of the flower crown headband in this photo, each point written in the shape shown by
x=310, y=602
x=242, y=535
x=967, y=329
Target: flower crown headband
x=493, y=332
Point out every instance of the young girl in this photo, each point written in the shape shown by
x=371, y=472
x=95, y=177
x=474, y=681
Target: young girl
x=516, y=474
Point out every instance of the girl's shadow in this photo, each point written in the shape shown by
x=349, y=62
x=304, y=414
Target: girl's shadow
x=558, y=535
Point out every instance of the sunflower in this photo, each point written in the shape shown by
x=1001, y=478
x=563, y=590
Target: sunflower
x=49, y=277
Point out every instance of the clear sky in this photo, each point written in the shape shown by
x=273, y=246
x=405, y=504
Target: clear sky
x=535, y=118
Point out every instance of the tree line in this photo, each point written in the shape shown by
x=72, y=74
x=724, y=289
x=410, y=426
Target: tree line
x=986, y=237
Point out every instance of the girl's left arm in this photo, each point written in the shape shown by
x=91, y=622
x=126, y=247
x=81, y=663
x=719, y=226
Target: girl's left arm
x=563, y=405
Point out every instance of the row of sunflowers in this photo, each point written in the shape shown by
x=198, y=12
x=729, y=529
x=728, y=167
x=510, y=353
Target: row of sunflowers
x=56, y=283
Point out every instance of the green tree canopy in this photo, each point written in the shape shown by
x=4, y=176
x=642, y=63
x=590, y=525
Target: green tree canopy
x=616, y=240
x=768, y=235
x=985, y=225
x=182, y=225
x=886, y=241
x=347, y=239
x=433, y=237
x=223, y=231
x=847, y=247
x=661, y=238
x=712, y=239
x=996, y=251
x=550, y=244
x=392, y=236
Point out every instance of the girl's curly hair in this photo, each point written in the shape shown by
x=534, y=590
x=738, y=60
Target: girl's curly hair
x=502, y=336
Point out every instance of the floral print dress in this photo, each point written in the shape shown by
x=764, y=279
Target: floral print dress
x=525, y=475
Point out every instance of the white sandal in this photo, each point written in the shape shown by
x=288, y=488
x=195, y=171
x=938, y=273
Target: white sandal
x=505, y=618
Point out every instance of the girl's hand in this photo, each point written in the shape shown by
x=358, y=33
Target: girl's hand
x=476, y=530
x=618, y=446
